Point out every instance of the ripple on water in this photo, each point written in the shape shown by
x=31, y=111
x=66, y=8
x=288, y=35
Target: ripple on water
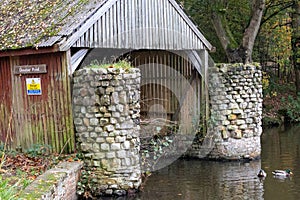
x=208, y=180
x=192, y=179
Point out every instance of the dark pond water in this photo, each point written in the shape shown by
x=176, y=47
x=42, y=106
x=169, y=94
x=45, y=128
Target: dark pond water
x=194, y=179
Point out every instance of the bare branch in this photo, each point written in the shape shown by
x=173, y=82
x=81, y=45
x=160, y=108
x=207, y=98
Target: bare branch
x=283, y=8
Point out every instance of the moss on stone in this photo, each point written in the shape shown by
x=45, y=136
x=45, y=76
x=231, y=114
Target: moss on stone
x=41, y=186
x=118, y=65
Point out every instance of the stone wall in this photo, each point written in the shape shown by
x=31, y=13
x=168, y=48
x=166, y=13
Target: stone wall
x=106, y=118
x=235, y=124
x=57, y=183
x=236, y=111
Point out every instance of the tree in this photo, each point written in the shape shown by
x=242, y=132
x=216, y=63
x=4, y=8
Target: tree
x=273, y=43
x=243, y=53
x=233, y=26
x=296, y=42
x=236, y=24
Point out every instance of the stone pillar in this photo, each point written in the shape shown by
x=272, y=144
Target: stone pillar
x=106, y=118
x=236, y=111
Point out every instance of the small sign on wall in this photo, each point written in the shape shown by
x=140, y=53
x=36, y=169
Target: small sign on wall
x=33, y=86
x=30, y=69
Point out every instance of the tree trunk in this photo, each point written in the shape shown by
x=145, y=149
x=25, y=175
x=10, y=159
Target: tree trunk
x=296, y=42
x=253, y=28
x=242, y=53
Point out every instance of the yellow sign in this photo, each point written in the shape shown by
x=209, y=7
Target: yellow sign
x=33, y=86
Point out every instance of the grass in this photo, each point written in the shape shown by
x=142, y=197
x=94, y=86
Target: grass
x=8, y=191
x=11, y=185
x=118, y=65
x=18, y=170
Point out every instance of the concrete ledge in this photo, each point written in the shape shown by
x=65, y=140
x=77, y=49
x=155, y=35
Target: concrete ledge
x=57, y=183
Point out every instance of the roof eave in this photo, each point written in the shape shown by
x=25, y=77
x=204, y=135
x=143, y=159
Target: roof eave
x=28, y=51
x=207, y=44
x=68, y=41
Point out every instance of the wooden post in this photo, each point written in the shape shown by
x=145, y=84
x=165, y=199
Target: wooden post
x=204, y=90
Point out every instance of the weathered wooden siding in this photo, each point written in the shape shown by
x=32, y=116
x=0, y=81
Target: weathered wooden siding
x=42, y=119
x=6, y=131
x=171, y=87
x=139, y=24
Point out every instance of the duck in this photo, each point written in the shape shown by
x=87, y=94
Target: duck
x=262, y=173
x=282, y=173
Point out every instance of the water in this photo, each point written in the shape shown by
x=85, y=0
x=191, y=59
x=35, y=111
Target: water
x=195, y=179
x=281, y=150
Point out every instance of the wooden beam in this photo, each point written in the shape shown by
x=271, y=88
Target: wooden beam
x=196, y=61
x=76, y=59
x=192, y=25
x=66, y=44
x=29, y=51
x=204, y=57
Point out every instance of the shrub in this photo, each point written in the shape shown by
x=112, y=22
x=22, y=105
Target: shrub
x=291, y=110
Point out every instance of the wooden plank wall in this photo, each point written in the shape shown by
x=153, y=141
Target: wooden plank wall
x=6, y=131
x=141, y=24
x=42, y=119
x=164, y=90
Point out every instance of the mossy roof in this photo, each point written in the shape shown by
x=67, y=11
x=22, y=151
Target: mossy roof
x=44, y=23
x=41, y=23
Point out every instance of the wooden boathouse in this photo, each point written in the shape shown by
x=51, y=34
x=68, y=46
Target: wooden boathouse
x=43, y=42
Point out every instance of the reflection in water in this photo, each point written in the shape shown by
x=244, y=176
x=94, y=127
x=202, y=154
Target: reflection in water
x=281, y=150
x=194, y=179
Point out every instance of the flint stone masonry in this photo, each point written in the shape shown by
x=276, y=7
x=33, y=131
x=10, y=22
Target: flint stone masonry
x=235, y=127
x=236, y=109
x=106, y=118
